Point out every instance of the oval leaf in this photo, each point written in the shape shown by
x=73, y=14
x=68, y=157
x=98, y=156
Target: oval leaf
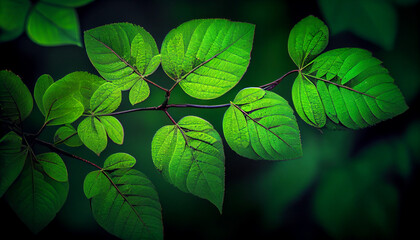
x=92, y=133
x=95, y=183
x=53, y=166
x=41, y=86
x=119, y=160
x=113, y=128
x=260, y=125
x=67, y=135
x=208, y=56
x=106, y=99
x=190, y=156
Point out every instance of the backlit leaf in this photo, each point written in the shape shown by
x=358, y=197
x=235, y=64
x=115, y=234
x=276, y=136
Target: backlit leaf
x=92, y=133
x=113, y=128
x=53, y=166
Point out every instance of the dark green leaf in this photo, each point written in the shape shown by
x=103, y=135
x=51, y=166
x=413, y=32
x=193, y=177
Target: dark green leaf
x=307, y=39
x=53, y=25
x=67, y=135
x=68, y=3
x=41, y=85
x=113, y=128
x=35, y=197
x=260, y=125
x=53, y=166
x=207, y=56
x=95, y=183
x=92, y=133
x=15, y=99
x=12, y=18
x=12, y=159
x=190, y=156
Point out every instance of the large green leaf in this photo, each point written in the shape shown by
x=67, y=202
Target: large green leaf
x=12, y=18
x=92, y=133
x=260, y=125
x=123, y=53
x=67, y=135
x=12, y=160
x=15, y=99
x=207, y=56
x=375, y=21
x=356, y=91
x=35, y=197
x=124, y=201
x=190, y=156
x=53, y=25
x=307, y=39
x=41, y=85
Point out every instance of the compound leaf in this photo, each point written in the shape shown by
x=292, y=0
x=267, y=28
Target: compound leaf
x=355, y=89
x=92, y=133
x=41, y=86
x=53, y=25
x=35, y=197
x=15, y=99
x=113, y=128
x=67, y=135
x=190, y=156
x=307, y=39
x=12, y=160
x=260, y=124
x=208, y=56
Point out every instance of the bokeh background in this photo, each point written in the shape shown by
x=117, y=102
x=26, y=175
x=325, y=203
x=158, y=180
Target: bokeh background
x=349, y=184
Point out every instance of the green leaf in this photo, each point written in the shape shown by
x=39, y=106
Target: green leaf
x=15, y=99
x=92, y=133
x=119, y=160
x=67, y=135
x=355, y=89
x=139, y=92
x=53, y=166
x=207, y=57
x=375, y=21
x=260, y=124
x=129, y=207
x=68, y=3
x=12, y=160
x=53, y=25
x=122, y=53
x=106, y=99
x=307, y=102
x=113, y=128
x=12, y=18
x=41, y=86
x=190, y=156
x=63, y=110
x=307, y=39
x=35, y=197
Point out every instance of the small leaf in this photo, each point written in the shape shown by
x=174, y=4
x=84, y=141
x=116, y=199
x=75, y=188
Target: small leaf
x=118, y=161
x=53, y=25
x=106, y=99
x=307, y=39
x=129, y=207
x=207, y=57
x=12, y=160
x=139, y=92
x=41, y=86
x=15, y=99
x=35, y=197
x=113, y=128
x=67, y=135
x=92, y=133
x=260, y=124
x=190, y=156
x=12, y=18
x=53, y=166
x=63, y=110
x=118, y=50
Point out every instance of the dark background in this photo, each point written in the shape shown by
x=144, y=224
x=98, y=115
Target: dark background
x=373, y=168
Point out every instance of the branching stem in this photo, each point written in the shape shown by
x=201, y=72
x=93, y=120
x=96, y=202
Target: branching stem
x=273, y=84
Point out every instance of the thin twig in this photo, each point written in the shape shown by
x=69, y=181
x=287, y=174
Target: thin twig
x=273, y=84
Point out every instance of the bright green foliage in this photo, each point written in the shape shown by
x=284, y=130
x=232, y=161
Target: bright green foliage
x=355, y=89
x=41, y=85
x=207, y=56
x=124, y=201
x=307, y=102
x=15, y=99
x=307, y=39
x=12, y=18
x=190, y=156
x=124, y=54
x=113, y=128
x=53, y=166
x=92, y=133
x=35, y=197
x=106, y=99
x=52, y=25
x=12, y=159
x=375, y=21
x=260, y=125
x=67, y=135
